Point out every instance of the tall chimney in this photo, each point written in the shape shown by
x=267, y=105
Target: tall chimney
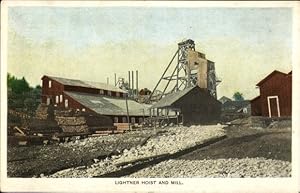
x=129, y=82
x=132, y=85
x=115, y=79
x=107, y=80
x=137, y=83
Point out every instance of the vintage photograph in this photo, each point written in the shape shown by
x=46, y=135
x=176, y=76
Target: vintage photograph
x=149, y=92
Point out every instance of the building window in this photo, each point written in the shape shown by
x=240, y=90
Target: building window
x=132, y=120
x=66, y=103
x=140, y=120
x=57, y=99
x=116, y=120
x=83, y=110
x=61, y=98
x=109, y=93
x=124, y=120
x=50, y=84
x=101, y=92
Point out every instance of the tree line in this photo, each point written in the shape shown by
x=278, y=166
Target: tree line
x=21, y=96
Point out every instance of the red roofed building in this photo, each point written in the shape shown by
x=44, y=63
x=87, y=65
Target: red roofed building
x=92, y=97
x=275, y=98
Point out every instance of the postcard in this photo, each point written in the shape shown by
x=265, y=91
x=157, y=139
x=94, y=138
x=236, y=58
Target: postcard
x=106, y=96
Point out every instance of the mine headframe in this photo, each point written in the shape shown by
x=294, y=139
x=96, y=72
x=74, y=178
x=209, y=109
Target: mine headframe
x=191, y=69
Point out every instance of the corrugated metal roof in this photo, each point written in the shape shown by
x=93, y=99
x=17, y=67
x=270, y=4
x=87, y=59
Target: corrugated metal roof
x=87, y=84
x=108, y=105
x=169, y=99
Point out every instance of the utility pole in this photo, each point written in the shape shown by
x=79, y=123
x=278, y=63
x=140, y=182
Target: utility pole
x=127, y=111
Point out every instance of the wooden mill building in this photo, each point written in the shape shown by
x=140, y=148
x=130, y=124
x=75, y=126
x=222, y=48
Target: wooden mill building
x=275, y=99
x=193, y=105
x=100, y=98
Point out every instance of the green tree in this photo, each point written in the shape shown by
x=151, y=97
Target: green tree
x=18, y=86
x=237, y=96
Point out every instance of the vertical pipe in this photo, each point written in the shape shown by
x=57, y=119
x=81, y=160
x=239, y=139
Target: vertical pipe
x=137, y=83
x=115, y=79
x=132, y=84
x=129, y=82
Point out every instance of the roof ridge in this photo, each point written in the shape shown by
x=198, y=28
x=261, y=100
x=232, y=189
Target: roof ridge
x=73, y=79
x=86, y=83
x=269, y=75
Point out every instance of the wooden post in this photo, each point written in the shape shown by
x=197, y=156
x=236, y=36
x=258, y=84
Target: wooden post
x=127, y=111
x=182, y=118
x=144, y=115
x=157, y=112
x=177, y=114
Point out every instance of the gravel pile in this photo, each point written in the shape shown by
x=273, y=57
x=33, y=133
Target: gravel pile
x=33, y=161
x=235, y=168
x=172, y=140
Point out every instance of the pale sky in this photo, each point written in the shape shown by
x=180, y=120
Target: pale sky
x=246, y=44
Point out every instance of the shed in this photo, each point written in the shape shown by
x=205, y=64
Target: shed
x=195, y=106
x=275, y=98
x=224, y=99
x=236, y=107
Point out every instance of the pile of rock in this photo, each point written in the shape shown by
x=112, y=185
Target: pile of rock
x=171, y=140
x=234, y=168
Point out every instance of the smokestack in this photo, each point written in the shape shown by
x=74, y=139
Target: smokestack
x=107, y=80
x=137, y=83
x=132, y=74
x=115, y=79
x=129, y=82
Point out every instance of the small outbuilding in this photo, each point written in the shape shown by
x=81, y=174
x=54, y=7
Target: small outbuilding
x=192, y=105
x=275, y=98
x=224, y=99
x=236, y=107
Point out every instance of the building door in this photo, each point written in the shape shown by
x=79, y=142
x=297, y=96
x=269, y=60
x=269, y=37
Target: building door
x=48, y=101
x=273, y=106
x=66, y=103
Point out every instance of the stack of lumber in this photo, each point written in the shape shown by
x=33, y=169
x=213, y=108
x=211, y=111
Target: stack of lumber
x=72, y=124
x=42, y=126
x=44, y=112
x=122, y=127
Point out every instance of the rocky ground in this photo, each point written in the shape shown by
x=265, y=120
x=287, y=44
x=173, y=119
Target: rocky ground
x=246, y=152
x=29, y=161
x=168, y=141
x=234, y=168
